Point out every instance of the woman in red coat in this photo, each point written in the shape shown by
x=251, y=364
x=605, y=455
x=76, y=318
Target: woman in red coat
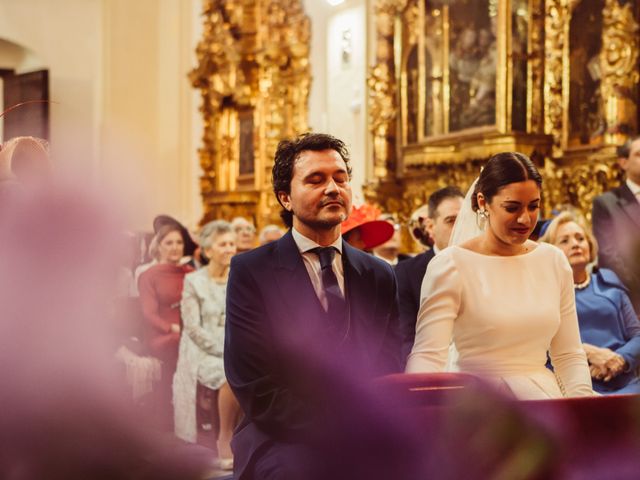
x=160, y=293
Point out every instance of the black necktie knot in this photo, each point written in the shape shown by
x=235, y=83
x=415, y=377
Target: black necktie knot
x=326, y=256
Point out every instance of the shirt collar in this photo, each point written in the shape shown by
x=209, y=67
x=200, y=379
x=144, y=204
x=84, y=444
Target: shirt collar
x=305, y=244
x=634, y=187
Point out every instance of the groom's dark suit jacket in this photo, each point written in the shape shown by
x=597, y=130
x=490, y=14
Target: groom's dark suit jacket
x=616, y=225
x=281, y=362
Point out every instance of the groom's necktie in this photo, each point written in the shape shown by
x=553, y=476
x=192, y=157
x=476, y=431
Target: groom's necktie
x=336, y=303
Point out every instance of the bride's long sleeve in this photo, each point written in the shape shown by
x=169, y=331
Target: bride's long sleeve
x=440, y=298
x=566, y=352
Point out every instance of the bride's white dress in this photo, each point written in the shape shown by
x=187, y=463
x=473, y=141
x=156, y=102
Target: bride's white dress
x=504, y=314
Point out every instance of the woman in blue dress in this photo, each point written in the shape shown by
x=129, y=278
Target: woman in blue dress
x=609, y=327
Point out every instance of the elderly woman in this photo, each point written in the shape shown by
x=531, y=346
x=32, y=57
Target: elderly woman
x=201, y=345
x=160, y=290
x=609, y=327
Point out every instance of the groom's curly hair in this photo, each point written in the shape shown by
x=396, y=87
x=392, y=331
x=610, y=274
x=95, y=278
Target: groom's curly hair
x=288, y=152
x=503, y=169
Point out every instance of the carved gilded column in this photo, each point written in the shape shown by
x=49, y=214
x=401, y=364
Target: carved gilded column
x=382, y=82
x=558, y=16
x=619, y=65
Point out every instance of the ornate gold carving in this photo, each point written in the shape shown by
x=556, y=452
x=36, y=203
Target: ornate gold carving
x=619, y=65
x=382, y=84
x=579, y=183
x=253, y=64
x=555, y=68
x=574, y=173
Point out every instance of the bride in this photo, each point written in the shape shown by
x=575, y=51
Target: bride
x=503, y=299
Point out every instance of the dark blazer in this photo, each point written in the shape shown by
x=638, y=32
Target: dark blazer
x=616, y=225
x=410, y=274
x=279, y=360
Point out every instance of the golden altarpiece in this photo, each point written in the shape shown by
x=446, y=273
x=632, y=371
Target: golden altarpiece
x=254, y=76
x=456, y=81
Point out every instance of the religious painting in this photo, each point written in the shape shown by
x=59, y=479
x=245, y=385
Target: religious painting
x=586, y=117
x=472, y=63
x=519, y=59
x=413, y=95
x=434, y=69
x=245, y=118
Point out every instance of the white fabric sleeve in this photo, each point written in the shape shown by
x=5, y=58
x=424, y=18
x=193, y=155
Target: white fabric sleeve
x=566, y=352
x=440, y=298
x=190, y=309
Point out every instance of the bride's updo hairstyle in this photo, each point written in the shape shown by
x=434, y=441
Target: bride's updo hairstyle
x=503, y=169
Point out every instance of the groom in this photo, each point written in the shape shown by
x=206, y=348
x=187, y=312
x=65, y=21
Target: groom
x=308, y=318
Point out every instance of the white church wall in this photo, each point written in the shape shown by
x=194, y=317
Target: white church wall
x=346, y=84
x=124, y=111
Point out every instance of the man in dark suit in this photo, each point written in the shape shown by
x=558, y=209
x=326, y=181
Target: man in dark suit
x=308, y=316
x=444, y=205
x=616, y=222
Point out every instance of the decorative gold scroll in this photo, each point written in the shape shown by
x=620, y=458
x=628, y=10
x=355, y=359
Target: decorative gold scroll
x=619, y=65
x=383, y=86
x=555, y=68
x=254, y=77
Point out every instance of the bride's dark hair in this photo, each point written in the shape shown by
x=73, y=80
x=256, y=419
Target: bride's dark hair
x=502, y=169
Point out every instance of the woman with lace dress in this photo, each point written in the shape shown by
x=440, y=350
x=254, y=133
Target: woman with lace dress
x=201, y=344
x=504, y=300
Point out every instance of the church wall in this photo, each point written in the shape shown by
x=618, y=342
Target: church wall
x=66, y=35
x=125, y=113
x=318, y=12
x=346, y=84
x=150, y=107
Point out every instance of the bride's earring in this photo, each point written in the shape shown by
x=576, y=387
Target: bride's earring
x=481, y=218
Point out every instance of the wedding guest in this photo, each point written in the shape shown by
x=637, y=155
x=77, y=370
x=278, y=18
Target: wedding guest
x=245, y=234
x=363, y=230
x=609, y=327
x=189, y=248
x=270, y=233
x=24, y=164
x=389, y=251
x=201, y=345
x=418, y=228
x=616, y=222
x=160, y=291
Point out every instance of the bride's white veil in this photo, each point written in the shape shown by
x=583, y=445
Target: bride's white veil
x=466, y=226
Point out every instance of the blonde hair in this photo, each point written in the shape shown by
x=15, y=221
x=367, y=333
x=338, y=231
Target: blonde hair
x=159, y=236
x=551, y=234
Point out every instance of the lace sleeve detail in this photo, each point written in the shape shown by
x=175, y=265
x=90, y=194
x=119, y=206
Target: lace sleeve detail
x=191, y=309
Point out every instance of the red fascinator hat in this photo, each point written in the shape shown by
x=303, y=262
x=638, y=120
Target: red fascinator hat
x=372, y=232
